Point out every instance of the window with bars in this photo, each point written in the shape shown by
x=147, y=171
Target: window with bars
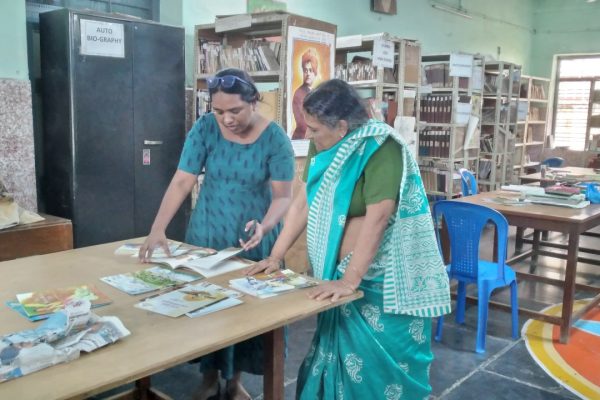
x=577, y=110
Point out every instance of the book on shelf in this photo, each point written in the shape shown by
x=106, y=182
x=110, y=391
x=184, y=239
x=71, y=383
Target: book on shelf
x=148, y=280
x=267, y=285
x=45, y=302
x=182, y=300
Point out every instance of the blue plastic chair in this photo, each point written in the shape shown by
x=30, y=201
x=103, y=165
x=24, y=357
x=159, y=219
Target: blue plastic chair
x=465, y=223
x=468, y=182
x=553, y=162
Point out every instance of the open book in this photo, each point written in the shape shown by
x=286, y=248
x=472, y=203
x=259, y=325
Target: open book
x=148, y=279
x=48, y=301
x=268, y=285
x=183, y=300
x=133, y=249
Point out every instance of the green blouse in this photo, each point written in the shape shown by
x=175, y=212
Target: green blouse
x=379, y=181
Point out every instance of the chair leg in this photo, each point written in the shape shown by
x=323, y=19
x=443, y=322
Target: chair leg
x=438, y=329
x=514, y=309
x=482, y=316
x=461, y=301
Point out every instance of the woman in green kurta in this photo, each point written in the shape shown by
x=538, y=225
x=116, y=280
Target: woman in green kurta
x=248, y=166
x=368, y=228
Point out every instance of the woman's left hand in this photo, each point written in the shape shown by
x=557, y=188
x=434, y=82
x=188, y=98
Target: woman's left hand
x=255, y=237
x=333, y=289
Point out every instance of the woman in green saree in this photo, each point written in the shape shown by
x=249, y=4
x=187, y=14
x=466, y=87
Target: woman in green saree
x=369, y=228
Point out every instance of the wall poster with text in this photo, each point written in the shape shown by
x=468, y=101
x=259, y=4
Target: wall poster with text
x=310, y=61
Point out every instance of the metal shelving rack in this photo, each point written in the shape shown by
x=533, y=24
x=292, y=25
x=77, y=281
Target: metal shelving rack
x=499, y=124
x=442, y=128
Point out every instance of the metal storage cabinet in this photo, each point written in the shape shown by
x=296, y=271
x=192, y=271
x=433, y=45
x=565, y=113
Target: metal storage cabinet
x=102, y=114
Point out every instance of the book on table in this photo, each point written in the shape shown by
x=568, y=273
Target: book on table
x=233, y=299
x=133, y=249
x=45, y=302
x=149, y=279
x=267, y=285
x=176, y=302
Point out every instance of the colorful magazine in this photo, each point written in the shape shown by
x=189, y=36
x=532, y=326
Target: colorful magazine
x=148, y=279
x=177, y=302
x=48, y=301
x=268, y=285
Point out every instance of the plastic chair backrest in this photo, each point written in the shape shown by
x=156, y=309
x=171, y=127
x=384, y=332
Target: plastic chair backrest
x=468, y=182
x=553, y=162
x=465, y=223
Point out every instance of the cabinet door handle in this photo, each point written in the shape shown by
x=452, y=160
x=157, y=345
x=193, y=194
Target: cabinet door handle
x=152, y=142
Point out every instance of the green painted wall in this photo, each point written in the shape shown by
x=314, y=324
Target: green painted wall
x=13, y=40
x=563, y=27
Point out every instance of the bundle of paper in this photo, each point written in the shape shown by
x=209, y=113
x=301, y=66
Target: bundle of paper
x=40, y=304
x=148, y=279
x=59, y=339
x=268, y=285
x=186, y=299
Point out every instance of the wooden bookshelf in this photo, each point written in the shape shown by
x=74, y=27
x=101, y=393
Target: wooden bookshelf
x=447, y=105
x=230, y=40
x=532, y=126
x=393, y=89
x=502, y=81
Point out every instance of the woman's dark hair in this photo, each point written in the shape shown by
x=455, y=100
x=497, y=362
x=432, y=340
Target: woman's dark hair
x=333, y=101
x=249, y=93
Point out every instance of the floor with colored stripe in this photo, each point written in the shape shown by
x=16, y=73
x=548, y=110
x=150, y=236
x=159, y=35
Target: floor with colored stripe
x=505, y=371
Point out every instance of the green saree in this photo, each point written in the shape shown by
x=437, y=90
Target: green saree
x=377, y=347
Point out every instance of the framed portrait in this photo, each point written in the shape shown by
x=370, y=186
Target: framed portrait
x=310, y=61
x=384, y=6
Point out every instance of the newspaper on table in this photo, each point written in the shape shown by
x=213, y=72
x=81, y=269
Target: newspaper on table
x=61, y=338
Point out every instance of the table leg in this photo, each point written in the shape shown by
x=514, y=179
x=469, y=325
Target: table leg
x=519, y=239
x=569, y=289
x=274, y=362
x=534, y=250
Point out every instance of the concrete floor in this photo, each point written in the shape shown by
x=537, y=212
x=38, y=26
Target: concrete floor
x=505, y=371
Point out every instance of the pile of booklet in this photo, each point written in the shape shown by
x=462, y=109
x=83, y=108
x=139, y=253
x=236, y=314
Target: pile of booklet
x=268, y=285
x=59, y=339
x=192, y=299
x=41, y=304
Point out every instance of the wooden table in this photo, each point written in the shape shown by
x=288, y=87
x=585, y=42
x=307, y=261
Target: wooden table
x=549, y=218
x=559, y=173
x=47, y=236
x=156, y=342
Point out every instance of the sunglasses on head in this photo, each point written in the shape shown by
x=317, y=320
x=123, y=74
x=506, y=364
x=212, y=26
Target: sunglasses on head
x=226, y=81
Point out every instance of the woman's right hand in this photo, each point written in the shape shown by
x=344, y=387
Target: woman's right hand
x=154, y=240
x=268, y=265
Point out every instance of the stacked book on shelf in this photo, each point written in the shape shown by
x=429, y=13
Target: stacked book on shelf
x=438, y=76
x=253, y=55
x=362, y=69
